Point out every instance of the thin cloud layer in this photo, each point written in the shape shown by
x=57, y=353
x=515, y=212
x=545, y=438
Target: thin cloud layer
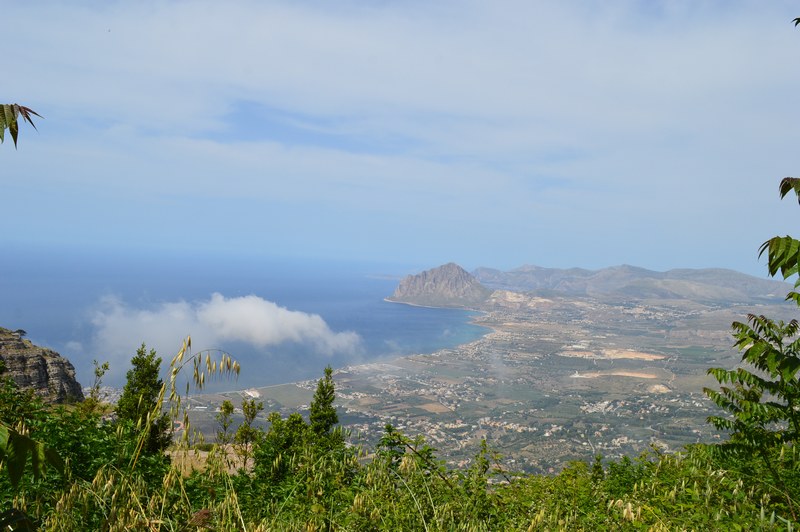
x=212, y=323
x=486, y=133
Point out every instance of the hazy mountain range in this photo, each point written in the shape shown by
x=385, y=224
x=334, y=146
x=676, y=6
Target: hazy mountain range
x=451, y=286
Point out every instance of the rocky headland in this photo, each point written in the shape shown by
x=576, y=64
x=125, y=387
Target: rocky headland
x=446, y=286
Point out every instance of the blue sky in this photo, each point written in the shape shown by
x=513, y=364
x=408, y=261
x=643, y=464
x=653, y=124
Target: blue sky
x=495, y=134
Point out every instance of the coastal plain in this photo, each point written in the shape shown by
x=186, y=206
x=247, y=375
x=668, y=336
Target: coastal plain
x=555, y=379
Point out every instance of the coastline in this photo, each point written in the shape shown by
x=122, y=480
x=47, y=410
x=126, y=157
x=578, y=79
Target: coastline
x=432, y=306
x=473, y=321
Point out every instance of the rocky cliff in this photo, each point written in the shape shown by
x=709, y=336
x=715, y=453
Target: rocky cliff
x=43, y=370
x=446, y=286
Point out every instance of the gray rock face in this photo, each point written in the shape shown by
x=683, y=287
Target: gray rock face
x=446, y=286
x=43, y=370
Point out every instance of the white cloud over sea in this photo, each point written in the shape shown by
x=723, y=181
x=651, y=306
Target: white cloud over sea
x=212, y=323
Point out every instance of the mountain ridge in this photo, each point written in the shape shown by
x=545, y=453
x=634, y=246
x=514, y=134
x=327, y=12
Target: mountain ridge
x=450, y=285
x=705, y=284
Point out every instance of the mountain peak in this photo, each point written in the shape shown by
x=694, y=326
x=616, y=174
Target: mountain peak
x=448, y=285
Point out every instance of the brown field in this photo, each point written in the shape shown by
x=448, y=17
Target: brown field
x=612, y=354
x=636, y=374
x=434, y=408
x=366, y=401
x=448, y=380
x=188, y=460
x=625, y=353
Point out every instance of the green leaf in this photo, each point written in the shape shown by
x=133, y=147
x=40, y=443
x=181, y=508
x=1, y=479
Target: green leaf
x=4, y=436
x=14, y=130
x=26, y=113
x=17, y=455
x=14, y=450
x=6, y=119
x=9, y=114
x=53, y=459
x=9, y=119
x=789, y=184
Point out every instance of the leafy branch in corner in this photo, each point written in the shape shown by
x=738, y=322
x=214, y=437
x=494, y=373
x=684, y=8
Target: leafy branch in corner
x=9, y=119
x=763, y=404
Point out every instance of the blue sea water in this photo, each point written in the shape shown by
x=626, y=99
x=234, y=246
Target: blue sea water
x=52, y=294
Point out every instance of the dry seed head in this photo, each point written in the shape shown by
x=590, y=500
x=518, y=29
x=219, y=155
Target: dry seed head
x=537, y=520
x=407, y=464
x=358, y=502
x=627, y=513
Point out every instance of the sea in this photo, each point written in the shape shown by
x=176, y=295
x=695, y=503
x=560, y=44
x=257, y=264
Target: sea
x=101, y=305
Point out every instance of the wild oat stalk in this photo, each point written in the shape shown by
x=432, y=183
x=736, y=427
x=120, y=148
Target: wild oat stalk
x=225, y=366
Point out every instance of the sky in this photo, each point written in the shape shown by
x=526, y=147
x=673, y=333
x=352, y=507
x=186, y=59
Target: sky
x=503, y=133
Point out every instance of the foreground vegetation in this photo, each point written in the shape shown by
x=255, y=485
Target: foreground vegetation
x=302, y=476
x=76, y=467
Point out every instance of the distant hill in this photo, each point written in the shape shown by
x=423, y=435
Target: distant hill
x=446, y=286
x=708, y=285
x=37, y=368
